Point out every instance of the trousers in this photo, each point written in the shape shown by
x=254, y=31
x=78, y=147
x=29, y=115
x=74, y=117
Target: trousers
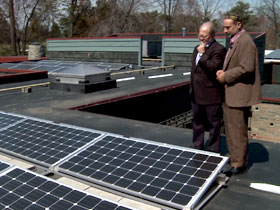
x=201, y=115
x=236, y=127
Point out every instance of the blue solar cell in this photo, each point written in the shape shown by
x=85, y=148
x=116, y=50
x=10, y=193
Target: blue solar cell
x=44, y=142
x=20, y=189
x=173, y=176
x=7, y=120
x=168, y=174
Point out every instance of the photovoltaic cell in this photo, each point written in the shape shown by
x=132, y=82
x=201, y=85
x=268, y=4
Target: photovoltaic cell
x=4, y=166
x=53, y=65
x=24, y=66
x=169, y=175
x=47, y=68
x=7, y=119
x=43, y=142
x=6, y=65
x=20, y=190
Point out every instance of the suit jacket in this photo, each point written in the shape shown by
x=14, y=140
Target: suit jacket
x=205, y=89
x=242, y=77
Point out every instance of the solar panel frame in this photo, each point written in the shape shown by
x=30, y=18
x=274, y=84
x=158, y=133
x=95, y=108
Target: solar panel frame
x=22, y=189
x=26, y=145
x=121, y=187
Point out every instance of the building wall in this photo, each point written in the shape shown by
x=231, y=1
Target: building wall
x=120, y=50
x=260, y=44
x=271, y=73
x=115, y=57
x=265, y=122
x=179, y=59
x=178, y=51
x=275, y=77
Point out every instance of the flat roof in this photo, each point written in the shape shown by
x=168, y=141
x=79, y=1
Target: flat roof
x=56, y=106
x=271, y=93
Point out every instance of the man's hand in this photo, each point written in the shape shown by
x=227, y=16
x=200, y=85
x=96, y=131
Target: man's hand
x=201, y=47
x=220, y=76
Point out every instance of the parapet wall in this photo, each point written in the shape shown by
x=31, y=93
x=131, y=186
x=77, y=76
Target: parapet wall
x=178, y=50
x=116, y=50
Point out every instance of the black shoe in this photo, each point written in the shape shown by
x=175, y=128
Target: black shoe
x=233, y=170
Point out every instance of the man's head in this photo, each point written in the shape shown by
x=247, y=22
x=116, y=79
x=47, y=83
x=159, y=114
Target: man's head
x=232, y=25
x=206, y=32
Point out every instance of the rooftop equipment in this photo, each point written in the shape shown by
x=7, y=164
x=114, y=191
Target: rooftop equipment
x=83, y=78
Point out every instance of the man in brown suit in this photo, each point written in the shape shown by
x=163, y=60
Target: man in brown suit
x=241, y=78
x=206, y=92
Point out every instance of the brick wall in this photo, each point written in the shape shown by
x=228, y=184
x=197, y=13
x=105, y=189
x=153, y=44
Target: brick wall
x=265, y=122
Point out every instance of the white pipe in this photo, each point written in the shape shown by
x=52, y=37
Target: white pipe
x=266, y=187
x=125, y=79
x=159, y=76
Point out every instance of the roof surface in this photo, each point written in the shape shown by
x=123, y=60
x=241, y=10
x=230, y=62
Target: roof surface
x=55, y=106
x=273, y=55
x=271, y=93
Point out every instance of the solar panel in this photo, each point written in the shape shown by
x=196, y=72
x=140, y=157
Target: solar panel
x=52, y=65
x=47, y=68
x=4, y=166
x=6, y=65
x=63, y=62
x=44, y=142
x=7, y=120
x=21, y=189
x=170, y=175
x=30, y=62
x=48, y=62
x=24, y=66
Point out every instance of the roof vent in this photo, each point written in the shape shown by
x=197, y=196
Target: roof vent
x=82, y=78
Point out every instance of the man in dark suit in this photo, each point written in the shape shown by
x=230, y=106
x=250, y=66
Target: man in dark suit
x=206, y=92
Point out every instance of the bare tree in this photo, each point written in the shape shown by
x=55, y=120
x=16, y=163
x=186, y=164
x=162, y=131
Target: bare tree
x=209, y=8
x=73, y=18
x=29, y=10
x=270, y=9
x=117, y=16
x=125, y=10
x=192, y=16
x=8, y=14
x=12, y=27
x=75, y=9
x=169, y=8
x=49, y=11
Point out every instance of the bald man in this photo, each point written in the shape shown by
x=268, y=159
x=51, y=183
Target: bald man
x=205, y=91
